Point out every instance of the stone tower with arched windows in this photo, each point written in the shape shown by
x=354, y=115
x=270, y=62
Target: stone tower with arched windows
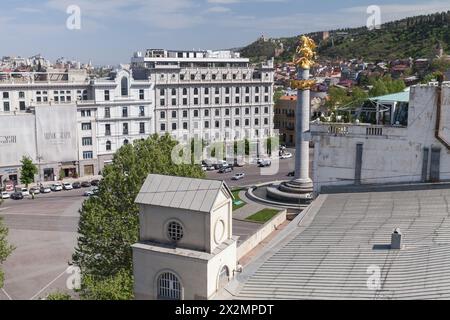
x=186, y=248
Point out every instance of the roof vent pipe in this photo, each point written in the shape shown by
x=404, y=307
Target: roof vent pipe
x=396, y=239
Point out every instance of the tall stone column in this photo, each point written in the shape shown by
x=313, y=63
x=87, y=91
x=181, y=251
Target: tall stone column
x=299, y=190
x=303, y=116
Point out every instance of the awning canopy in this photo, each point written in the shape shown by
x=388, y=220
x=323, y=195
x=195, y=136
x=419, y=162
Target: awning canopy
x=395, y=97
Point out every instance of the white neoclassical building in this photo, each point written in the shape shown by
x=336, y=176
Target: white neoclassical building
x=210, y=95
x=186, y=248
x=101, y=114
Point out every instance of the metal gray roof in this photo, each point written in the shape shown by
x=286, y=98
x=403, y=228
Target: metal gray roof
x=180, y=192
x=328, y=256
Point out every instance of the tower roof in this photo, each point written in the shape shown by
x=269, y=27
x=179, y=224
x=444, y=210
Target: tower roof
x=181, y=193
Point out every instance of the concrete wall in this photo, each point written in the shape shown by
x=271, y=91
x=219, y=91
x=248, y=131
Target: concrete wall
x=390, y=154
x=153, y=222
x=227, y=258
x=249, y=244
x=148, y=265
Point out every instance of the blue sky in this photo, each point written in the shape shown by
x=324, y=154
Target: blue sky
x=111, y=30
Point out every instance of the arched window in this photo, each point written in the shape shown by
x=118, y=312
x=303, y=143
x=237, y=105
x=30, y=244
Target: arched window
x=108, y=145
x=224, y=277
x=169, y=287
x=175, y=231
x=196, y=91
x=124, y=85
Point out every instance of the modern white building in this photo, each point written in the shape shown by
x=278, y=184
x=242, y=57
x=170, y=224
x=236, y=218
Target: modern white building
x=210, y=95
x=412, y=145
x=186, y=248
x=104, y=115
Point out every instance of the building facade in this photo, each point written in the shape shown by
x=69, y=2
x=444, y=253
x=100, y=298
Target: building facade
x=208, y=95
x=96, y=117
x=416, y=150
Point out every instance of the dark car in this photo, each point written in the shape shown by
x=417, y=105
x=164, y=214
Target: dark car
x=76, y=185
x=17, y=196
x=85, y=184
x=95, y=183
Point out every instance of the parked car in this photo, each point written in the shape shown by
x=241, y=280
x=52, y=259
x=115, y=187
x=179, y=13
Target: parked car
x=76, y=185
x=95, y=183
x=45, y=189
x=17, y=196
x=204, y=168
x=286, y=155
x=56, y=187
x=67, y=186
x=85, y=184
x=5, y=195
x=238, y=176
x=91, y=192
x=210, y=168
x=265, y=163
x=226, y=169
x=24, y=192
x=35, y=190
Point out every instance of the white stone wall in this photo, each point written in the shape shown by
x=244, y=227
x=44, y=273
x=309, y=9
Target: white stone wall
x=393, y=155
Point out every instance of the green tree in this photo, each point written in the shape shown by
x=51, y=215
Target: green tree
x=108, y=223
x=58, y=296
x=28, y=171
x=379, y=89
x=5, y=248
x=277, y=95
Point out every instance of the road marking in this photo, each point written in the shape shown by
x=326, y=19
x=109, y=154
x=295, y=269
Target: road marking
x=6, y=294
x=48, y=285
x=1, y=209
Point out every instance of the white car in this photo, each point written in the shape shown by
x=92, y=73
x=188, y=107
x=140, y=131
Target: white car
x=286, y=155
x=25, y=192
x=45, y=189
x=5, y=195
x=67, y=186
x=56, y=187
x=238, y=176
x=91, y=192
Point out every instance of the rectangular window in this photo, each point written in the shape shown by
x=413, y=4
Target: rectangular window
x=141, y=94
x=142, y=111
x=163, y=127
x=86, y=126
x=206, y=124
x=124, y=112
x=217, y=100
x=162, y=102
x=206, y=113
x=196, y=101
x=185, y=125
x=185, y=113
x=195, y=113
x=227, y=100
x=266, y=110
x=88, y=155
x=21, y=95
x=206, y=100
x=142, y=127
x=107, y=129
x=174, y=102
x=185, y=102
x=125, y=128
x=162, y=115
x=174, y=114
x=107, y=112
x=106, y=95
x=86, y=141
x=5, y=95
x=174, y=126
x=22, y=106
x=6, y=107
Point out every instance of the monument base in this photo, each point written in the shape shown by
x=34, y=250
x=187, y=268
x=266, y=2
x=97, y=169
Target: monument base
x=296, y=191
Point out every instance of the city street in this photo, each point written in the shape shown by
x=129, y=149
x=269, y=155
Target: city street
x=256, y=175
x=44, y=234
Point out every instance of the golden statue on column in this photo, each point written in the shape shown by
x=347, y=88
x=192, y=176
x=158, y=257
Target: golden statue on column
x=305, y=57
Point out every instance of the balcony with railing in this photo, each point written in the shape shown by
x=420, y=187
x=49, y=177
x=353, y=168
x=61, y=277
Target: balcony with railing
x=357, y=130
